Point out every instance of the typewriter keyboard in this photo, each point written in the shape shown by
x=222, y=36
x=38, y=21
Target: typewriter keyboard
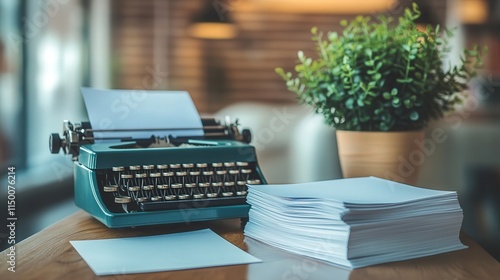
x=176, y=186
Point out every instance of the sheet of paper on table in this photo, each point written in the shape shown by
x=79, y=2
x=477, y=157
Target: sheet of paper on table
x=177, y=251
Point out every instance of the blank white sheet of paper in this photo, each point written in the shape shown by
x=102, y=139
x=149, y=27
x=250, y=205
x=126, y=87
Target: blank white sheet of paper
x=141, y=113
x=176, y=251
x=363, y=190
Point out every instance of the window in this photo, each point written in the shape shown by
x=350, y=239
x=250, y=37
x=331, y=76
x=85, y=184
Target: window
x=11, y=98
x=55, y=70
x=45, y=62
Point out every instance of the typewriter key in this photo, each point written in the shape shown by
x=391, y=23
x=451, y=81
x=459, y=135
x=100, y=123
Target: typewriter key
x=170, y=197
x=162, y=187
x=241, y=183
x=155, y=175
x=176, y=165
x=167, y=174
x=177, y=186
x=254, y=182
x=228, y=164
x=241, y=193
x=241, y=163
x=118, y=168
x=194, y=173
x=181, y=173
x=110, y=188
x=148, y=187
x=162, y=166
x=227, y=194
x=221, y=172
x=212, y=195
x=217, y=184
x=246, y=171
x=201, y=165
x=148, y=167
x=187, y=165
x=141, y=175
x=208, y=173
x=184, y=196
x=234, y=172
x=217, y=164
x=123, y=199
x=142, y=199
x=127, y=176
x=156, y=198
x=135, y=167
x=228, y=184
x=204, y=185
x=134, y=188
x=198, y=195
x=190, y=185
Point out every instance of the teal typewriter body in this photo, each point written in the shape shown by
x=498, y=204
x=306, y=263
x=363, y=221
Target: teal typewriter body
x=127, y=183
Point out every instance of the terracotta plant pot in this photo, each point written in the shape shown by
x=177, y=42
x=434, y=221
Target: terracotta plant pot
x=391, y=155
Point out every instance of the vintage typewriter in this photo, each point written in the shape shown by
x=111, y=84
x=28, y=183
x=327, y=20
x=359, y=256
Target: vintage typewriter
x=134, y=182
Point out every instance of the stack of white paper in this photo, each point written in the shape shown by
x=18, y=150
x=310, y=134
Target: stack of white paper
x=355, y=222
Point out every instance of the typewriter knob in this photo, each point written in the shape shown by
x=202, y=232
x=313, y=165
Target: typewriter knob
x=247, y=135
x=55, y=143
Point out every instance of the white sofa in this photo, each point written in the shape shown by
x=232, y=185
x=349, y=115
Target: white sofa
x=292, y=143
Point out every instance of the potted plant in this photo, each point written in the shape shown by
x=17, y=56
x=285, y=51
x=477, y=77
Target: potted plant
x=380, y=83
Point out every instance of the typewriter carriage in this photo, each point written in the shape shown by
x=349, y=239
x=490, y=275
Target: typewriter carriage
x=75, y=135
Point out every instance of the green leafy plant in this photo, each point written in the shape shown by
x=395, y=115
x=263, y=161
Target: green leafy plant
x=382, y=74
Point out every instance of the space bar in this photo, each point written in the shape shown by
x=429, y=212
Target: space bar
x=191, y=203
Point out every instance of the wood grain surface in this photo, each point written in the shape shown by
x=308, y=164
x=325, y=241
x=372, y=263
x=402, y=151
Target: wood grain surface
x=49, y=255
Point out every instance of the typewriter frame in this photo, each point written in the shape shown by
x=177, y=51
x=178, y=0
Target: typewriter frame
x=222, y=146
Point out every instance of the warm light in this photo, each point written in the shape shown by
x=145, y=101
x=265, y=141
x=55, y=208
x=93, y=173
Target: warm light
x=210, y=30
x=473, y=11
x=320, y=6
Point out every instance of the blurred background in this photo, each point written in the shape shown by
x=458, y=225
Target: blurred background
x=223, y=52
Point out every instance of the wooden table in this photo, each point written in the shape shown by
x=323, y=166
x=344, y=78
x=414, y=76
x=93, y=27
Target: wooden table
x=49, y=255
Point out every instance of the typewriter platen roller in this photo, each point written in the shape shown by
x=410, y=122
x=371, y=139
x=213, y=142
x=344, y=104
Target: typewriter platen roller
x=135, y=182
